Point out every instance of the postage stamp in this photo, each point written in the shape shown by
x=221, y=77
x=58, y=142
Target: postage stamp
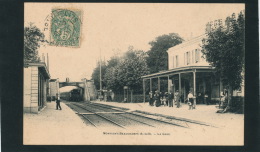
x=65, y=28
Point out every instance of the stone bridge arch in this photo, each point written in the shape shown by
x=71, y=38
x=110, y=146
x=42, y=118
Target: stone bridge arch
x=88, y=87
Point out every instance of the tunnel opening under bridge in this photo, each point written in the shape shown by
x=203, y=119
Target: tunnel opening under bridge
x=72, y=93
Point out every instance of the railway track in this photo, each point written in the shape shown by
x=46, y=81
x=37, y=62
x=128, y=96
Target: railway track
x=111, y=116
x=95, y=119
x=159, y=117
x=100, y=116
x=153, y=122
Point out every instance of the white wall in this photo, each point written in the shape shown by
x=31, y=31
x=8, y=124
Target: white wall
x=27, y=87
x=53, y=88
x=30, y=100
x=181, y=51
x=34, y=96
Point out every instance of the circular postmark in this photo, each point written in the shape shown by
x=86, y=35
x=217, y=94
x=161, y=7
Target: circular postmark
x=65, y=27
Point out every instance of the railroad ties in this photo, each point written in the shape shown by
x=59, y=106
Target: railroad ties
x=100, y=115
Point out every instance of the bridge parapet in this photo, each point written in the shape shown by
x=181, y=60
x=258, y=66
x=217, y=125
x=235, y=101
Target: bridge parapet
x=78, y=84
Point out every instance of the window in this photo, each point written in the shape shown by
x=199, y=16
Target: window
x=197, y=55
x=177, y=61
x=192, y=57
x=188, y=57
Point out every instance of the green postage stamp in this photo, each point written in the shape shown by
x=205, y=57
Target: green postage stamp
x=65, y=28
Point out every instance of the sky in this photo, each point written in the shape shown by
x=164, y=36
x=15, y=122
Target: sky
x=110, y=28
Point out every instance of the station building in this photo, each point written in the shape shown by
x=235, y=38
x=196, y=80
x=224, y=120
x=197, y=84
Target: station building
x=187, y=71
x=36, y=77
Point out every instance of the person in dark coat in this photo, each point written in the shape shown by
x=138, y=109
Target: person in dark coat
x=160, y=97
x=170, y=98
x=157, y=99
x=206, y=97
x=58, y=101
x=177, y=98
x=166, y=95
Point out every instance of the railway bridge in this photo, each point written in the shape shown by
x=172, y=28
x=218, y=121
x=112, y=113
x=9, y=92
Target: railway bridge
x=77, y=84
x=87, y=87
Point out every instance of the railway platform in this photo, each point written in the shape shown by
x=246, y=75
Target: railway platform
x=66, y=127
x=51, y=126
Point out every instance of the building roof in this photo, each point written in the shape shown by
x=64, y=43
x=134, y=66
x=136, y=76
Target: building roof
x=42, y=66
x=187, y=43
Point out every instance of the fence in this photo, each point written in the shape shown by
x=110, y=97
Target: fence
x=137, y=98
x=237, y=104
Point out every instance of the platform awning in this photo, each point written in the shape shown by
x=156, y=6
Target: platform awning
x=176, y=71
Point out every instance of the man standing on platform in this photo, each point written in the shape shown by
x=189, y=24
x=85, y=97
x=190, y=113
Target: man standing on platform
x=177, y=98
x=170, y=97
x=58, y=101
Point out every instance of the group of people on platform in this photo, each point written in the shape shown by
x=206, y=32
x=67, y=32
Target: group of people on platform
x=158, y=98
x=107, y=95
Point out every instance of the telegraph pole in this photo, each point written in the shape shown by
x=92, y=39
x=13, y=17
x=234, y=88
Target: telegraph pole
x=100, y=79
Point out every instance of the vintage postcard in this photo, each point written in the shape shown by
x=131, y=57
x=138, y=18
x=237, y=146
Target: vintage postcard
x=134, y=74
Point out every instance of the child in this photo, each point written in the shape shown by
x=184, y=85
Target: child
x=164, y=100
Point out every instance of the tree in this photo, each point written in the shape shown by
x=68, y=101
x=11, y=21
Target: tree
x=33, y=38
x=157, y=56
x=127, y=71
x=96, y=74
x=224, y=49
x=111, y=74
x=131, y=68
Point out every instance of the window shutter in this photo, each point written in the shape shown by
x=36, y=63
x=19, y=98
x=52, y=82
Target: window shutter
x=177, y=61
x=188, y=56
x=192, y=56
x=198, y=52
x=184, y=59
x=173, y=62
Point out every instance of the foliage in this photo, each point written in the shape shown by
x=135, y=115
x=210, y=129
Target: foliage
x=110, y=74
x=224, y=49
x=126, y=71
x=157, y=56
x=132, y=67
x=111, y=79
x=113, y=62
x=96, y=74
x=33, y=38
